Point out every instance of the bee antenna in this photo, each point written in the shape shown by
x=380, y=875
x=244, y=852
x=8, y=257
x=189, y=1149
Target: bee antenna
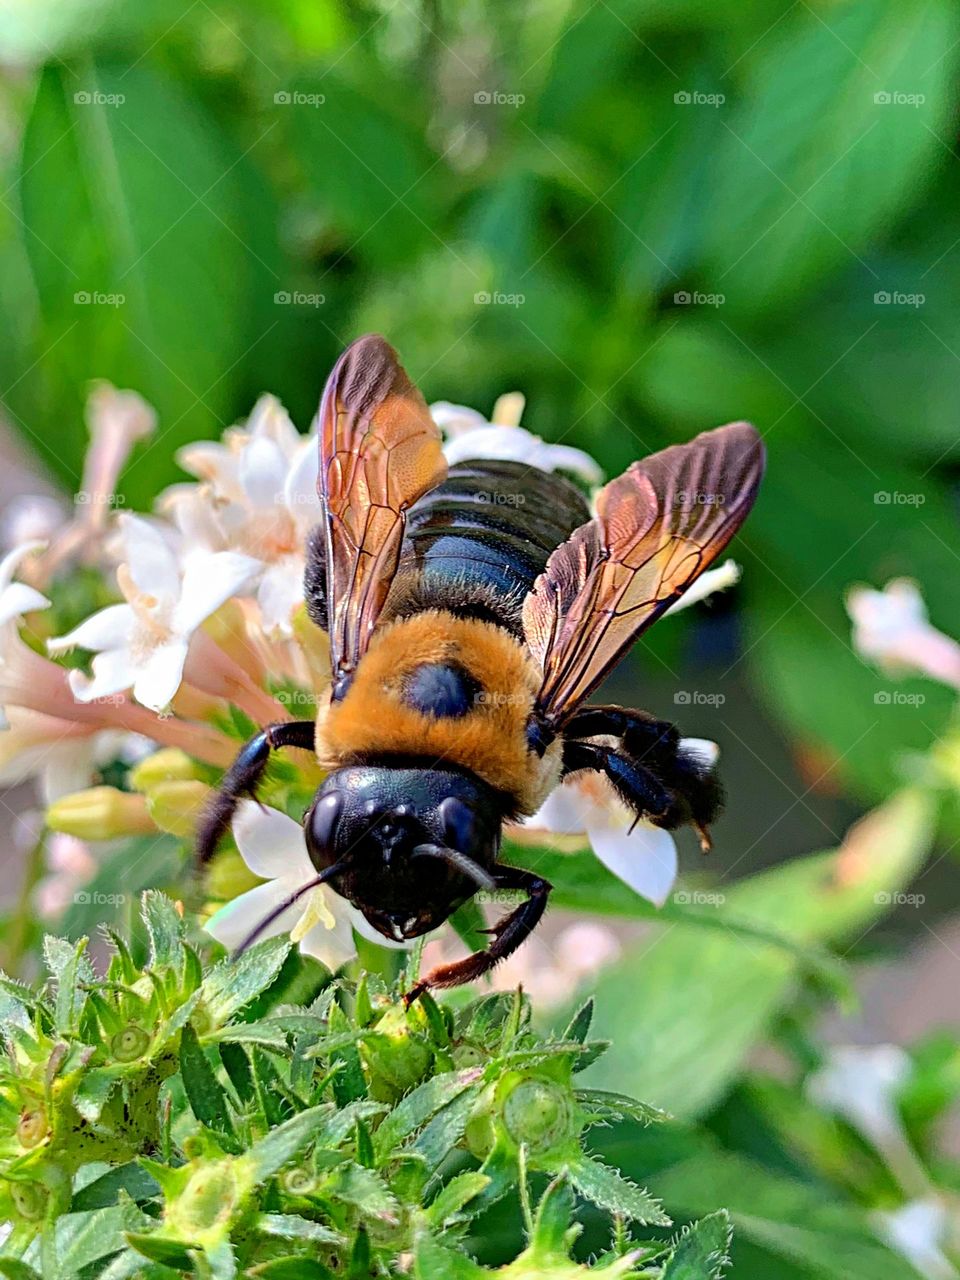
x=275, y=914
x=459, y=861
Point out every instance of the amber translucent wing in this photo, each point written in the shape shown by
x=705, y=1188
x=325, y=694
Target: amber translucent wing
x=379, y=452
x=657, y=527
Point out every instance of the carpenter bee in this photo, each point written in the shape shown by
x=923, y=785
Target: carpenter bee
x=471, y=611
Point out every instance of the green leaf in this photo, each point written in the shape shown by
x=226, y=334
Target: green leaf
x=579, y=1027
x=679, y=1045
x=69, y=966
x=290, y=1226
x=455, y=1196
x=232, y=984
x=146, y=201
x=603, y=1105
x=435, y=1261
x=604, y=1186
x=204, y=1091
x=131, y=1179
x=12, y=1269
x=366, y=166
x=164, y=929
x=365, y=1189
x=284, y=1143
x=413, y=1111
x=702, y=1250
x=84, y=1238
x=813, y=165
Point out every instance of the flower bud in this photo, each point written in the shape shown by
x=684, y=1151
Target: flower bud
x=227, y=876
x=170, y=764
x=100, y=813
x=130, y=1043
x=33, y=1127
x=395, y=1059
x=208, y=1201
x=176, y=807
x=29, y=1199
x=539, y=1114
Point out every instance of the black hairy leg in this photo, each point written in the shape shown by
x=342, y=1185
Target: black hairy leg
x=634, y=783
x=508, y=933
x=655, y=748
x=242, y=777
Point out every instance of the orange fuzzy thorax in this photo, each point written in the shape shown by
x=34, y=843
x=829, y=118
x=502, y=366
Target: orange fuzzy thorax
x=490, y=739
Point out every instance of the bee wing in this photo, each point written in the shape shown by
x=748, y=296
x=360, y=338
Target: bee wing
x=657, y=527
x=379, y=452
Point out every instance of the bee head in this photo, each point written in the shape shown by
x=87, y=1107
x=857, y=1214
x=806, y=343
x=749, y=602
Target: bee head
x=413, y=843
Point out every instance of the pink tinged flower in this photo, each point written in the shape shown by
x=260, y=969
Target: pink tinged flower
x=891, y=629
x=33, y=517
x=143, y=643
x=273, y=847
x=641, y=855
x=117, y=420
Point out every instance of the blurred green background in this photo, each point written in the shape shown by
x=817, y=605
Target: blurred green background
x=652, y=216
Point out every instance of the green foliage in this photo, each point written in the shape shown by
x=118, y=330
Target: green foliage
x=166, y=1120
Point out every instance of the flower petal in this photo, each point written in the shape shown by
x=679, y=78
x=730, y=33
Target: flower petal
x=270, y=843
x=332, y=947
x=234, y=923
x=113, y=673
x=516, y=444
x=455, y=419
x=18, y=599
x=152, y=564
x=159, y=677
x=644, y=858
x=366, y=930
x=209, y=580
x=11, y=561
x=110, y=628
x=280, y=593
x=263, y=473
x=300, y=490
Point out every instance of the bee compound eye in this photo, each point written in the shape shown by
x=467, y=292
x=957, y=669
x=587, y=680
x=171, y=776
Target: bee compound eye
x=323, y=823
x=459, y=824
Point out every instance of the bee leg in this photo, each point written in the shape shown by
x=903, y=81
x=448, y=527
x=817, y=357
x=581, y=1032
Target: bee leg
x=508, y=933
x=242, y=777
x=636, y=785
x=640, y=733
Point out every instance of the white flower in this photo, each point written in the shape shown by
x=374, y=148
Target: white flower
x=31, y=517
x=259, y=496
x=861, y=1085
x=16, y=599
x=273, y=847
x=891, y=628
x=918, y=1230
x=469, y=435
x=641, y=855
x=143, y=643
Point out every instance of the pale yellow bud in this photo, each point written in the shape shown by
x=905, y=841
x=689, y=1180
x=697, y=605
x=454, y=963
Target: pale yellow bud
x=176, y=806
x=168, y=765
x=314, y=646
x=101, y=813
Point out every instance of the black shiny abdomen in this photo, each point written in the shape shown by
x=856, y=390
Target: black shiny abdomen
x=477, y=542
